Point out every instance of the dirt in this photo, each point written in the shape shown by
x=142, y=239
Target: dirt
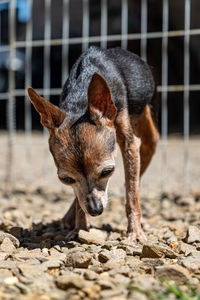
x=38, y=262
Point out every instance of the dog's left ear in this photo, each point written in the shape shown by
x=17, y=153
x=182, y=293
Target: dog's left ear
x=51, y=116
x=100, y=102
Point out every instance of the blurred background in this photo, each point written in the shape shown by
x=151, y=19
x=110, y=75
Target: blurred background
x=39, y=42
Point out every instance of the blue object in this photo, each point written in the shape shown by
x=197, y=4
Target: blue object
x=24, y=10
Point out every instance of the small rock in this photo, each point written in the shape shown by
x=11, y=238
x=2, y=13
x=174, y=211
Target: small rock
x=7, y=264
x=13, y=239
x=45, y=251
x=153, y=262
x=78, y=259
x=151, y=251
x=113, y=264
x=92, y=291
x=116, y=254
x=133, y=262
x=11, y=280
x=65, y=282
x=157, y=251
x=110, y=244
x=185, y=248
x=106, y=284
x=53, y=263
x=90, y=275
x=4, y=274
x=94, y=236
x=121, y=279
x=125, y=270
x=192, y=264
x=186, y=201
x=3, y=256
x=118, y=293
x=7, y=246
x=193, y=234
x=175, y=272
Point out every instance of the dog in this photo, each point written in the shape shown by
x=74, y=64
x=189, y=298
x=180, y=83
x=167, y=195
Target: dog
x=106, y=100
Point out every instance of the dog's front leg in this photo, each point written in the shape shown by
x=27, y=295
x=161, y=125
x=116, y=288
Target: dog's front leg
x=68, y=221
x=130, y=146
x=80, y=220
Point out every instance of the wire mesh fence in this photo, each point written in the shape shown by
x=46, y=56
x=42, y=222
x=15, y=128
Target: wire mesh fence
x=84, y=39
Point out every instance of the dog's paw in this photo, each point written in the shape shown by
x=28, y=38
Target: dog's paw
x=72, y=235
x=137, y=236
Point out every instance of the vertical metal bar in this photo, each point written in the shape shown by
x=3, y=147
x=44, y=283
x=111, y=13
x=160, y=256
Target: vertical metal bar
x=85, y=25
x=47, y=36
x=46, y=71
x=28, y=81
x=104, y=23
x=65, y=35
x=164, y=109
x=11, y=100
x=144, y=19
x=186, y=94
x=124, y=24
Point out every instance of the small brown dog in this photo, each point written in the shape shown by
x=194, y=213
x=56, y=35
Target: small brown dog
x=105, y=100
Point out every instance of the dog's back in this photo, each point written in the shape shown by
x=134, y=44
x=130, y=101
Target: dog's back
x=128, y=77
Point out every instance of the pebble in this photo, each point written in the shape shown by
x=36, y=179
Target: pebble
x=13, y=239
x=192, y=264
x=175, y=272
x=193, y=234
x=7, y=246
x=157, y=251
x=65, y=282
x=78, y=259
x=11, y=280
x=93, y=236
x=115, y=254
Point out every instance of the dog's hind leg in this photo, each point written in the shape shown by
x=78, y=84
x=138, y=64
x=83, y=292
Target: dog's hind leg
x=130, y=148
x=146, y=130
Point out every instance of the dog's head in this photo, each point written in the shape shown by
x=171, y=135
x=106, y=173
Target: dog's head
x=84, y=153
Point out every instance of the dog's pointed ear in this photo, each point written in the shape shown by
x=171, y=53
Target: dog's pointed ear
x=51, y=116
x=100, y=101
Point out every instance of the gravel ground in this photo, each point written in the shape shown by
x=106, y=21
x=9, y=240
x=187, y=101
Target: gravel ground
x=37, y=261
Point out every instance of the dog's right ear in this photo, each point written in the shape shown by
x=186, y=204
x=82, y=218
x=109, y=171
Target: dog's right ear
x=51, y=116
x=100, y=100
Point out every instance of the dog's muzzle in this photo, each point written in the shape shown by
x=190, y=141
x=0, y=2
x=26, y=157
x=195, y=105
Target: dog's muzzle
x=94, y=206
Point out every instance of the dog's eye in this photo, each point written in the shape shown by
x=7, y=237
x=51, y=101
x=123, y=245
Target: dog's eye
x=68, y=180
x=106, y=172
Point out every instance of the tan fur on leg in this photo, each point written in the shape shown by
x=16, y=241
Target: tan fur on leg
x=129, y=145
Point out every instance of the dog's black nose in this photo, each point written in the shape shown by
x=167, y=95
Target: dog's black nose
x=95, y=208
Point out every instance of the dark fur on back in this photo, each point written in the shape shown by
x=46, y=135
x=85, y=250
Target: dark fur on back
x=128, y=76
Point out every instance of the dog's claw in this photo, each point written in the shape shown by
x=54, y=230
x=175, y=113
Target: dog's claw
x=72, y=235
x=137, y=236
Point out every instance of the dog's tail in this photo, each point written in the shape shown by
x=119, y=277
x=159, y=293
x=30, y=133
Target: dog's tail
x=154, y=105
